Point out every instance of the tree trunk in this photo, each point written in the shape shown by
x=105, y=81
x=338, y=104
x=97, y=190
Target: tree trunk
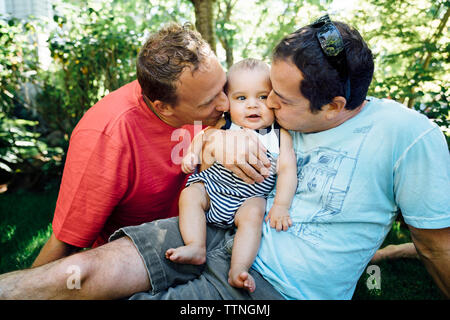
x=226, y=39
x=204, y=21
x=229, y=56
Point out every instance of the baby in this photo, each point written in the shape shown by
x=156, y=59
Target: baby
x=224, y=197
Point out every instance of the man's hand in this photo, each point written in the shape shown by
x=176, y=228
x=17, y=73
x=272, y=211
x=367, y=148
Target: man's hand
x=240, y=152
x=279, y=217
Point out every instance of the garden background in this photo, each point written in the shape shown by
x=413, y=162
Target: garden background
x=54, y=67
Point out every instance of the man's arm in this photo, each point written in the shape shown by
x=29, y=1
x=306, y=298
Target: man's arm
x=433, y=247
x=53, y=250
x=395, y=251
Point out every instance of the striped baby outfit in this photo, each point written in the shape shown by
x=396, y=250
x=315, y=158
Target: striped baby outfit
x=227, y=192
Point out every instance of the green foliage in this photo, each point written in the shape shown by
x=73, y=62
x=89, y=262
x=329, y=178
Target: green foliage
x=411, y=45
x=254, y=27
x=93, y=54
x=18, y=61
x=23, y=152
x=24, y=155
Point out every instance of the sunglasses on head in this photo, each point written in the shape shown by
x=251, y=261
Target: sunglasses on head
x=333, y=48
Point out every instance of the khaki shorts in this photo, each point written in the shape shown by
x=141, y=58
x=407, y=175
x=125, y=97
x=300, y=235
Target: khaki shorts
x=174, y=281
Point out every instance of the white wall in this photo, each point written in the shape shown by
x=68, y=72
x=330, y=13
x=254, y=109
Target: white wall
x=2, y=7
x=23, y=8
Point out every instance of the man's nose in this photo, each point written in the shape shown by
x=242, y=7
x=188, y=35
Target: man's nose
x=222, y=103
x=272, y=101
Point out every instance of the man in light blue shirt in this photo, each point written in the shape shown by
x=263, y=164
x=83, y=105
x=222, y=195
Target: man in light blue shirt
x=344, y=208
x=359, y=162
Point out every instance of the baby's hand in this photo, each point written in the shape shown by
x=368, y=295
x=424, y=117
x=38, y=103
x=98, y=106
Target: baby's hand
x=279, y=217
x=189, y=162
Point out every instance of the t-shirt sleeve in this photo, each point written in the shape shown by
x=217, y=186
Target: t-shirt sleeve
x=95, y=179
x=422, y=182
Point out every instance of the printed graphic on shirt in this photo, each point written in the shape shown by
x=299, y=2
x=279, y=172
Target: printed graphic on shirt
x=324, y=178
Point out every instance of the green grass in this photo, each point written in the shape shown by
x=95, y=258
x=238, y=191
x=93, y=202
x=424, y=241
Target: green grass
x=402, y=279
x=25, y=225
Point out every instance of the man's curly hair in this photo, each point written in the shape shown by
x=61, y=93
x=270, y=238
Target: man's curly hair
x=163, y=58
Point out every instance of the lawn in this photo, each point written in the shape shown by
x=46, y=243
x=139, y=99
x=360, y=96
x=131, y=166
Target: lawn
x=25, y=225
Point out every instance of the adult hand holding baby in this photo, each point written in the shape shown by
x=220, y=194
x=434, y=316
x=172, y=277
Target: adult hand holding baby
x=240, y=152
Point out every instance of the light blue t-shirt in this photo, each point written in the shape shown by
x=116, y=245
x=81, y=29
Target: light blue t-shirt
x=352, y=180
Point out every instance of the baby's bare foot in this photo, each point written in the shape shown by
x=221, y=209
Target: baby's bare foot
x=190, y=254
x=241, y=279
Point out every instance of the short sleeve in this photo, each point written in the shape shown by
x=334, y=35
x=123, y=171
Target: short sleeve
x=422, y=182
x=95, y=179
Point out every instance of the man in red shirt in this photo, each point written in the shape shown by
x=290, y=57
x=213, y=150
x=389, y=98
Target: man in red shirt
x=120, y=167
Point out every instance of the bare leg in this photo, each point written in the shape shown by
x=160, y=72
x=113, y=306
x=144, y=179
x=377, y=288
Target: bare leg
x=194, y=201
x=390, y=252
x=114, y=270
x=248, y=221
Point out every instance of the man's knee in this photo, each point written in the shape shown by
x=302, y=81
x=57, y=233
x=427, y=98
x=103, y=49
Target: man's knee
x=111, y=271
x=76, y=269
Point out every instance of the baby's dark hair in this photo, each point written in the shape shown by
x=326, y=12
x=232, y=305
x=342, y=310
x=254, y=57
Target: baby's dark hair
x=246, y=64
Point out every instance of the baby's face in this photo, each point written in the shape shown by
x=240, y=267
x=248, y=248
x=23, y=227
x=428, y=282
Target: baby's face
x=247, y=92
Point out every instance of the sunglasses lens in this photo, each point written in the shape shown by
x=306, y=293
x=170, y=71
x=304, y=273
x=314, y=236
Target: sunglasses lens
x=332, y=46
x=330, y=40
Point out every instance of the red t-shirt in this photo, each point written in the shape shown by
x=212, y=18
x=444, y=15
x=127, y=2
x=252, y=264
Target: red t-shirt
x=119, y=170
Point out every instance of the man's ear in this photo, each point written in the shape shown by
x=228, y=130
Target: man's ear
x=335, y=107
x=162, y=108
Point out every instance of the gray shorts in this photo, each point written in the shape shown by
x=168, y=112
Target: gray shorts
x=174, y=281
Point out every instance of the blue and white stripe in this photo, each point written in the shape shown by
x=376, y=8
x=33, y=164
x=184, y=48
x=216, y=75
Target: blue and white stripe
x=227, y=192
